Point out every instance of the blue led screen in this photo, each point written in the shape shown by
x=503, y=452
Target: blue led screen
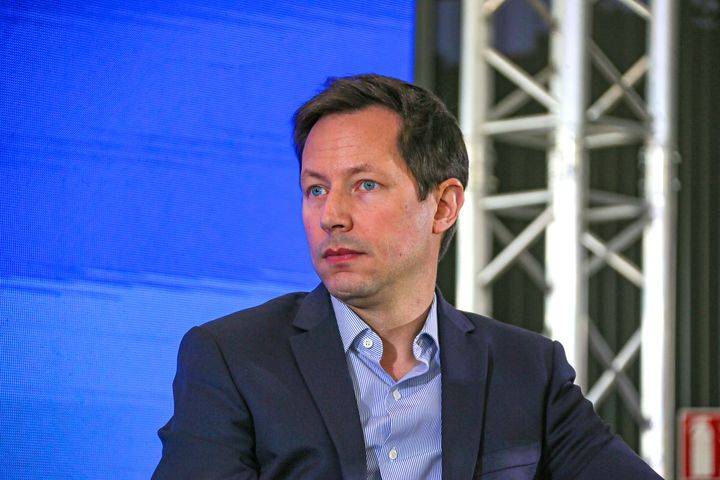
x=148, y=184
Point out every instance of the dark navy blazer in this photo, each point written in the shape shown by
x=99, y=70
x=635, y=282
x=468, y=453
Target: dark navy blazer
x=265, y=393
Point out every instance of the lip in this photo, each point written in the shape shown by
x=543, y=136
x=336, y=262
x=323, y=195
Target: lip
x=340, y=255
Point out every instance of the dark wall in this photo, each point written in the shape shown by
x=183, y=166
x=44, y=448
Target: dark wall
x=698, y=320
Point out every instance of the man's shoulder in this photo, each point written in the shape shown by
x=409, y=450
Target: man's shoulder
x=276, y=314
x=505, y=334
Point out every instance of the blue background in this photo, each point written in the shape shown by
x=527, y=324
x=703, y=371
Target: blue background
x=148, y=185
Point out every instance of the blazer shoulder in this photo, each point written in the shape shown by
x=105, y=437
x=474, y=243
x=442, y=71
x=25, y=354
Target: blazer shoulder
x=276, y=314
x=504, y=331
x=513, y=343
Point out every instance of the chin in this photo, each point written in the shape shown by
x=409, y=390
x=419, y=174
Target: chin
x=347, y=291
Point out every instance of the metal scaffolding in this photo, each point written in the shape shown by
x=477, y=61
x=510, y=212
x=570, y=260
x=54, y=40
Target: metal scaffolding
x=569, y=129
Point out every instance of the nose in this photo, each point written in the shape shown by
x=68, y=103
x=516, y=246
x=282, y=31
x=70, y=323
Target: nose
x=336, y=213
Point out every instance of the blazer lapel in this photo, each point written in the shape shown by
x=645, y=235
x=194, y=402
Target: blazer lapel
x=464, y=365
x=320, y=356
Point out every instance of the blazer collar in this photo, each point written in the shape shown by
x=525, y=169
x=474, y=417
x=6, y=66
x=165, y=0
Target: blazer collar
x=464, y=365
x=321, y=359
x=464, y=362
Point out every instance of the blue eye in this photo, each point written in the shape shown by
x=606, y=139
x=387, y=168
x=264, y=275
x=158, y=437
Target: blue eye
x=316, y=191
x=368, y=185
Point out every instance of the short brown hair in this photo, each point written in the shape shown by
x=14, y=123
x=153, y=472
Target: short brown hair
x=429, y=141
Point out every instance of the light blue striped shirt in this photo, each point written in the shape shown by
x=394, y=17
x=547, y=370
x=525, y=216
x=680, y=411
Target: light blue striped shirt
x=401, y=419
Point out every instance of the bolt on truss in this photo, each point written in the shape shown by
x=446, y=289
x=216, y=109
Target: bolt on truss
x=570, y=126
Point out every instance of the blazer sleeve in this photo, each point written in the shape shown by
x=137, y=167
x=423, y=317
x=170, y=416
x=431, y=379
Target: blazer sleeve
x=578, y=443
x=210, y=434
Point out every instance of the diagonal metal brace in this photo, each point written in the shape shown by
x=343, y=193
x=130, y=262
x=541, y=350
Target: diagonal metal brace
x=608, y=253
x=615, y=373
x=531, y=265
x=521, y=243
x=520, y=78
x=608, y=69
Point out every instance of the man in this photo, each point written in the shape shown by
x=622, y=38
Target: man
x=373, y=374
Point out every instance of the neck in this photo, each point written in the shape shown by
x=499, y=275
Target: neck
x=397, y=323
x=393, y=319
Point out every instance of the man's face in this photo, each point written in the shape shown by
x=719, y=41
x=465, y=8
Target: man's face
x=370, y=237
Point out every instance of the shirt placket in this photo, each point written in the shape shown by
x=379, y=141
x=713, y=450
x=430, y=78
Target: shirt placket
x=398, y=405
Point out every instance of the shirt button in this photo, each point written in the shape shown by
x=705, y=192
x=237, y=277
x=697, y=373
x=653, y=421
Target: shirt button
x=367, y=343
x=420, y=342
x=392, y=454
x=396, y=394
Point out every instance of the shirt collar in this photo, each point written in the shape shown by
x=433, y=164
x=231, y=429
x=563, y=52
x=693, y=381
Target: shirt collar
x=351, y=325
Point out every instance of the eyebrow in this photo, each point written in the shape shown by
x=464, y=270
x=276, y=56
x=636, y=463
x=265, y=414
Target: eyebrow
x=361, y=168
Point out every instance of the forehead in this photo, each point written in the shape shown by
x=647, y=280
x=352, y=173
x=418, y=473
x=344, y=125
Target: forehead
x=368, y=136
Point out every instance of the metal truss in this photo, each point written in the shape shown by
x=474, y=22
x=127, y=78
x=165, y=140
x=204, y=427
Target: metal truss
x=570, y=127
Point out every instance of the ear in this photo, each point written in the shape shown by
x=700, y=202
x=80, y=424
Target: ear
x=450, y=196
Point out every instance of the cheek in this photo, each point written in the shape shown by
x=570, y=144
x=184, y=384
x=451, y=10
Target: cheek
x=311, y=226
x=418, y=219
x=399, y=231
